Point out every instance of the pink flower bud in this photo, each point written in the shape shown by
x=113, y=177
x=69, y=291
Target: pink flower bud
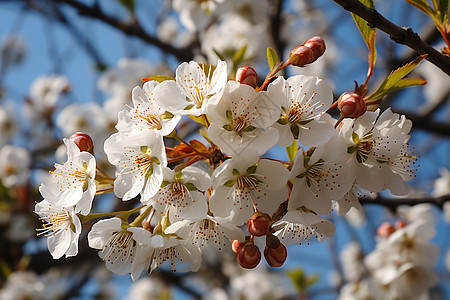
x=275, y=257
x=83, y=142
x=385, y=230
x=352, y=105
x=247, y=75
x=301, y=56
x=236, y=245
x=317, y=45
x=259, y=224
x=400, y=224
x=249, y=256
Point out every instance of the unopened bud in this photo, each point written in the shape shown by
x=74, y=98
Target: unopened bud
x=385, y=230
x=400, y=224
x=259, y=224
x=247, y=75
x=301, y=56
x=317, y=45
x=236, y=245
x=249, y=256
x=272, y=241
x=275, y=257
x=83, y=142
x=352, y=105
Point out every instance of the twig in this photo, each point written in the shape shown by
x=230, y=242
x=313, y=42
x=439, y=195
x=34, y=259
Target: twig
x=182, y=54
x=395, y=202
x=405, y=36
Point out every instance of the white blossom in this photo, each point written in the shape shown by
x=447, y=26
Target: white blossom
x=241, y=120
x=116, y=244
x=75, y=179
x=181, y=190
x=194, y=89
x=146, y=114
x=303, y=100
x=139, y=162
x=61, y=225
x=298, y=226
x=244, y=183
x=14, y=165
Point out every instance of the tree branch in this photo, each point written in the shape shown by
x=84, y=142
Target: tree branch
x=395, y=202
x=133, y=29
x=400, y=35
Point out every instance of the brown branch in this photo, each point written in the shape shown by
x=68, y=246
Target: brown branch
x=133, y=29
x=398, y=34
x=393, y=203
x=276, y=23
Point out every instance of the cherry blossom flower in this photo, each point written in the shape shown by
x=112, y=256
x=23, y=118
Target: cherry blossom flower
x=239, y=119
x=299, y=225
x=116, y=243
x=320, y=177
x=84, y=117
x=196, y=87
x=154, y=249
x=14, y=165
x=181, y=190
x=75, y=179
x=139, y=164
x=352, y=259
x=350, y=199
x=195, y=15
x=45, y=92
x=303, y=100
x=377, y=148
x=242, y=184
x=146, y=114
x=206, y=229
x=61, y=225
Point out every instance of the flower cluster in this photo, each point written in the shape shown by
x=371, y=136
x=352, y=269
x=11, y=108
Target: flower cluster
x=401, y=266
x=193, y=195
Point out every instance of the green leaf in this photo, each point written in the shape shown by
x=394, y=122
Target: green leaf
x=159, y=78
x=395, y=80
x=292, y=150
x=238, y=56
x=423, y=6
x=441, y=7
x=367, y=32
x=301, y=281
x=128, y=4
x=219, y=55
x=272, y=58
x=236, y=173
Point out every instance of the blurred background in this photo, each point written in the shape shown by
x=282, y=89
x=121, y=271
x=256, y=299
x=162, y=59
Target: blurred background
x=70, y=66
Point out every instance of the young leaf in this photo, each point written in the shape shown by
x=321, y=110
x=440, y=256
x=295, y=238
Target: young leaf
x=423, y=6
x=159, y=78
x=219, y=55
x=292, y=150
x=128, y=4
x=272, y=58
x=396, y=82
x=367, y=32
x=239, y=56
x=441, y=7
